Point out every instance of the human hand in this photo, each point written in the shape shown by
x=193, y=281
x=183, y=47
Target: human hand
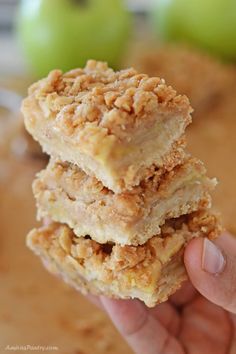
x=199, y=318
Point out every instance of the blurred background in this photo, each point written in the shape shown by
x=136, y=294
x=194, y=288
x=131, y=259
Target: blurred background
x=192, y=44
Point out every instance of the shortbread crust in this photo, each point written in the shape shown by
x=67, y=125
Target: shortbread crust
x=151, y=272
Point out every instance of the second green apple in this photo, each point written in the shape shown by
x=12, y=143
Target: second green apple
x=208, y=24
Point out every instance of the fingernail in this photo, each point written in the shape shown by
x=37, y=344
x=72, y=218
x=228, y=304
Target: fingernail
x=213, y=260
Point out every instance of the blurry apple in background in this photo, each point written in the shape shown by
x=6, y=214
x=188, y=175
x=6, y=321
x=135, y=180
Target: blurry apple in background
x=209, y=24
x=65, y=33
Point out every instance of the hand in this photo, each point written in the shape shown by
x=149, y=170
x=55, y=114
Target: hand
x=199, y=318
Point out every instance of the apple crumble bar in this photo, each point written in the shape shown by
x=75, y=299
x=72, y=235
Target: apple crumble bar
x=151, y=272
x=121, y=195
x=66, y=194
x=113, y=125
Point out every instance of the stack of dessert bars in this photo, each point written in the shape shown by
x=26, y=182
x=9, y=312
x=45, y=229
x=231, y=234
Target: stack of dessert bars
x=120, y=196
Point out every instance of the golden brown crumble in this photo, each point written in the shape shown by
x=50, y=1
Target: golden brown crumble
x=102, y=97
x=71, y=179
x=175, y=233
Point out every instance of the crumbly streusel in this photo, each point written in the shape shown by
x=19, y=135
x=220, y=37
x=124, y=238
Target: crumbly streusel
x=150, y=272
x=102, y=97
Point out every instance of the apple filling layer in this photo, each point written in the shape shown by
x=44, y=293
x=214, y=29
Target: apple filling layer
x=151, y=272
x=114, y=125
x=67, y=195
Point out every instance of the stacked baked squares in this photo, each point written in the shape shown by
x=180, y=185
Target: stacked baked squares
x=120, y=194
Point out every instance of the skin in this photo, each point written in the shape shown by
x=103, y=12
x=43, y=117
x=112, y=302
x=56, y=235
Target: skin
x=199, y=318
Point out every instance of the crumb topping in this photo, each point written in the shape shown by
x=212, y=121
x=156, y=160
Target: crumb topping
x=129, y=205
x=60, y=241
x=98, y=96
x=58, y=171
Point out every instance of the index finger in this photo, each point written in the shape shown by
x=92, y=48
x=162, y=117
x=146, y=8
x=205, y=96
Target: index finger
x=139, y=328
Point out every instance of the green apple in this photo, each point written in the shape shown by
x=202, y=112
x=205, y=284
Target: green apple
x=65, y=33
x=209, y=24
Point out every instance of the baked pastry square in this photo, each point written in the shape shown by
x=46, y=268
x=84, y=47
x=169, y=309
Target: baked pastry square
x=114, y=125
x=151, y=272
x=66, y=194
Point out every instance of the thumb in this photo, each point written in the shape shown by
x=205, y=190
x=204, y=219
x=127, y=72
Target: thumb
x=212, y=269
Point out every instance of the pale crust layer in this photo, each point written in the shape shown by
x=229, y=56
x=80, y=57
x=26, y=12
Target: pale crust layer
x=150, y=272
x=113, y=125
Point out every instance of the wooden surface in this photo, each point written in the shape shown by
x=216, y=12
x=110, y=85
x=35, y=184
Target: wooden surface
x=38, y=309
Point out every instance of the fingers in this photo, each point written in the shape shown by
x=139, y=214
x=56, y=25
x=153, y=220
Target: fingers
x=184, y=295
x=205, y=328
x=164, y=313
x=168, y=317
x=140, y=329
x=212, y=269
x=95, y=300
x=232, y=348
